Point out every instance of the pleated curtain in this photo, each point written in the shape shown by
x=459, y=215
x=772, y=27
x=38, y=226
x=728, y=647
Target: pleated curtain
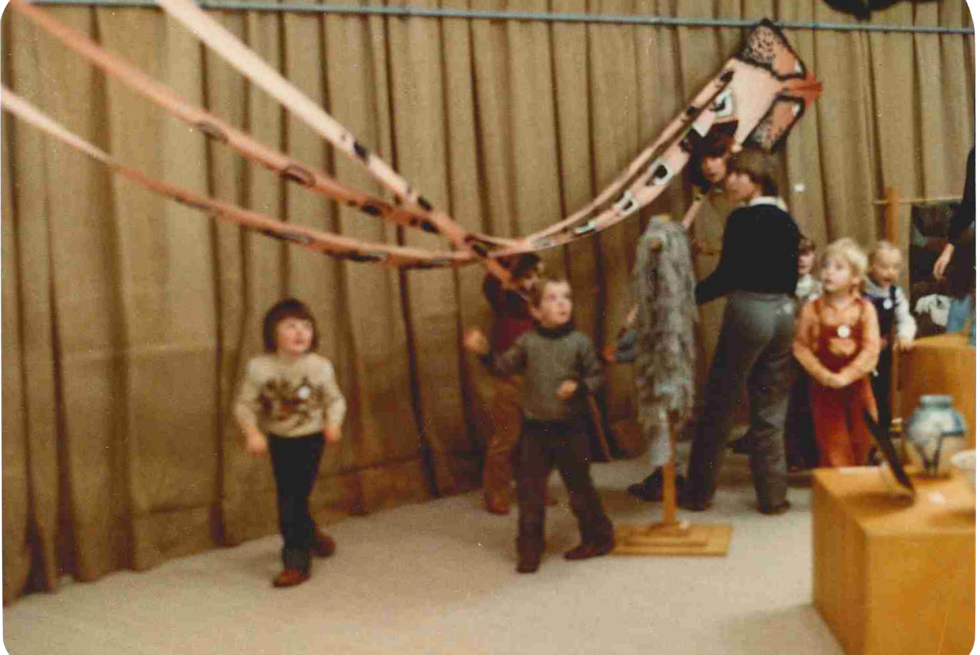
x=128, y=318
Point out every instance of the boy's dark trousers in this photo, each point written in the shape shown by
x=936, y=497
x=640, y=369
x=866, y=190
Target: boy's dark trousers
x=295, y=464
x=881, y=385
x=801, y=441
x=543, y=446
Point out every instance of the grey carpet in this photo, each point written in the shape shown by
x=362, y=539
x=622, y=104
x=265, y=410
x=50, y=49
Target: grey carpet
x=439, y=578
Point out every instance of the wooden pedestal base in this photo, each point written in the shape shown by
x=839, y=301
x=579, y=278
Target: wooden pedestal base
x=670, y=536
x=673, y=539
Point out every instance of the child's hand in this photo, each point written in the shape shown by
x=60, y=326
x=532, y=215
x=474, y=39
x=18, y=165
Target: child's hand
x=836, y=381
x=332, y=435
x=631, y=317
x=567, y=389
x=905, y=344
x=475, y=341
x=256, y=443
x=609, y=353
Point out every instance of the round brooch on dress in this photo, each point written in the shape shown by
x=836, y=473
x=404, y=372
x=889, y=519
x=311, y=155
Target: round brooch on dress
x=843, y=331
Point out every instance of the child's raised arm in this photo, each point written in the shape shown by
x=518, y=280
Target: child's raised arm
x=507, y=363
x=476, y=342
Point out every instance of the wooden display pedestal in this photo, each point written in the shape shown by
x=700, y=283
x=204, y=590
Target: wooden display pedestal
x=894, y=576
x=944, y=364
x=670, y=536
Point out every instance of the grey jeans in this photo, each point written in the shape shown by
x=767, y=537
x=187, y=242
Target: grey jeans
x=754, y=353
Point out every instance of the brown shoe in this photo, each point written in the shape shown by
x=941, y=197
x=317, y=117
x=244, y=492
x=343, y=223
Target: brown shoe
x=529, y=564
x=587, y=551
x=776, y=510
x=324, y=545
x=497, y=505
x=290, y=578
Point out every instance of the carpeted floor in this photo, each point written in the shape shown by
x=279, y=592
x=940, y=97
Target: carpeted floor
x=439, y=578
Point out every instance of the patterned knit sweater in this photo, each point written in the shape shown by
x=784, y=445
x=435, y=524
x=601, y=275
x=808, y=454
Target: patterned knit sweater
x=290, y=399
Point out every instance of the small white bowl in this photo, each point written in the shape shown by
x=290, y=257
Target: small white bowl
x=965, y=463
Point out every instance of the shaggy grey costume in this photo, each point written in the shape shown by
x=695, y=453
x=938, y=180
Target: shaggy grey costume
x=663, y=285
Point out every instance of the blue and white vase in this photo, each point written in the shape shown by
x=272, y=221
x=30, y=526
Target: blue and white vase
x=934, y=432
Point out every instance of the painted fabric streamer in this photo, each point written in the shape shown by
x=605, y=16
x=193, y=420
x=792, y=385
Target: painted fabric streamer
x=663, y=285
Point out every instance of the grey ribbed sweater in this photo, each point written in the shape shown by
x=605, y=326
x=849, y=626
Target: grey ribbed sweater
x=548, y=357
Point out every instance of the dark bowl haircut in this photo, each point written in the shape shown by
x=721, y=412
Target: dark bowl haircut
x=286, y=308
x=519, y=265
x=715, y=144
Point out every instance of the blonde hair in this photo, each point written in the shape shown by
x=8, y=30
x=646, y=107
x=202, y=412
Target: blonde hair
x=883, y=245
x=848, y=250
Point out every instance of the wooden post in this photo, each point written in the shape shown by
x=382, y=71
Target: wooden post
x=890, y=228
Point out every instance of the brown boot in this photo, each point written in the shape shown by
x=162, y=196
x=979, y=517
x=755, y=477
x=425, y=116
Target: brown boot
x=323, y=545
x=528, y=562
x=588, y=550
x=497, y=504
x=290, y=578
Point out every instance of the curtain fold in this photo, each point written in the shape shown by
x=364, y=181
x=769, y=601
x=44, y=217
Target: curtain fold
x=128, y=318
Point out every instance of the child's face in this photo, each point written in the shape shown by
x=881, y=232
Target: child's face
x=714, y=169
x=556, y=305
x=805, y=263
x=741, y=187
x=529, y=279
x=294, y=336
x=885, y=267
x=837, y=275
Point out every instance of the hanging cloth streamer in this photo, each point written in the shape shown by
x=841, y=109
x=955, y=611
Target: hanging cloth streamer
x=762, y=90
x=249, y=64
x=222, y=132
x=331, y=244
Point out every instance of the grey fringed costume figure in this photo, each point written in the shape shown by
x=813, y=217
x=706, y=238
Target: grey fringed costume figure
x=666, y=350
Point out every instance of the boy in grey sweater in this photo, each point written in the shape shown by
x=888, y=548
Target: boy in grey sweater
x=560, y=367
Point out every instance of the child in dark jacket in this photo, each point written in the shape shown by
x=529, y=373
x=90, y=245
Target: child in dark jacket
x=881, y=288
x=560, y=367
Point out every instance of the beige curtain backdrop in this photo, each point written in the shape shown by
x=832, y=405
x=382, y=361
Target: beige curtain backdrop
x=128, y=318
